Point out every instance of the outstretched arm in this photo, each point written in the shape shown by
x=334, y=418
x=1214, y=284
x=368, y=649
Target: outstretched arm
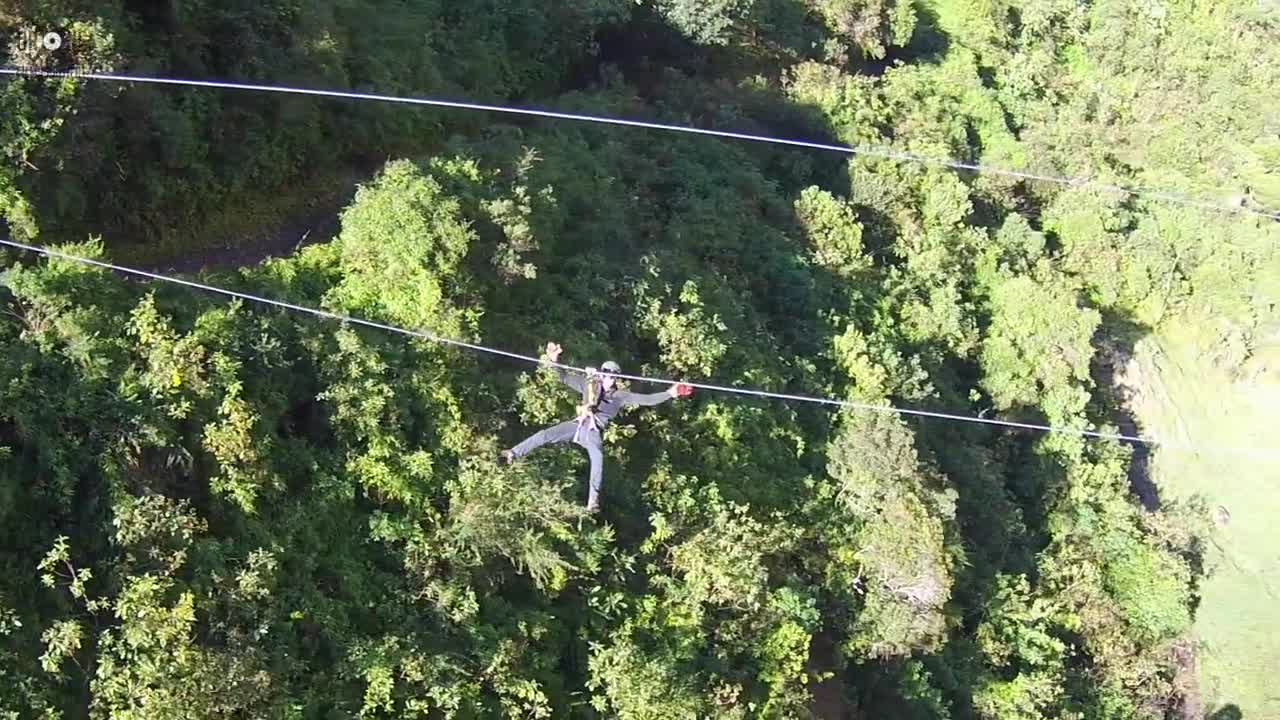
x=630, y=398
x=573, y=380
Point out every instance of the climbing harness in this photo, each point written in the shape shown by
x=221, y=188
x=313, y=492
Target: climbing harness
x=587, y=410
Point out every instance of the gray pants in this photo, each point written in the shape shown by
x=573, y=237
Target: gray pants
x=589, y=438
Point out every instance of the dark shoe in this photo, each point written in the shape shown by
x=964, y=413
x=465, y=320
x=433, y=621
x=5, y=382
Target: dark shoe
x=506, y=457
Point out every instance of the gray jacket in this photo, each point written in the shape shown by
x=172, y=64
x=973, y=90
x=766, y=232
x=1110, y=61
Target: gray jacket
x=613, y=401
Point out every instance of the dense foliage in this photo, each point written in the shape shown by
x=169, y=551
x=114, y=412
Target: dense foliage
x=212, y=510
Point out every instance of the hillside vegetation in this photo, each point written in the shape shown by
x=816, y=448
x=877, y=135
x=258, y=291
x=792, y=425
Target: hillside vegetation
x=215, y=510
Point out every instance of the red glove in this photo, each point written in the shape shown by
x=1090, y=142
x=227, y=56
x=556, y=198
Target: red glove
x=684, y=389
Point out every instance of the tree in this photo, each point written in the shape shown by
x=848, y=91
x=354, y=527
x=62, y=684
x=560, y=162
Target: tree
x=890, y=560
x=400, y=253
x=1020, y=638
x=833, y=229
x=150, y=665
x=871, y=26
x=1039, y=345
x=639, y=685
x=711, y=23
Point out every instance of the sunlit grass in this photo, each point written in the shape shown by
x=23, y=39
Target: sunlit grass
x=1191, y=396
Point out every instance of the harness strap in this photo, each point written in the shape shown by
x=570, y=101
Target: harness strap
x=587, y=410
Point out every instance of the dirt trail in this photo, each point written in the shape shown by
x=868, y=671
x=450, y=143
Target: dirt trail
x=317, y=222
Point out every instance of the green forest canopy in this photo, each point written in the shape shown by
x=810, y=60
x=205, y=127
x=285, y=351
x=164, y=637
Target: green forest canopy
x=209, y=510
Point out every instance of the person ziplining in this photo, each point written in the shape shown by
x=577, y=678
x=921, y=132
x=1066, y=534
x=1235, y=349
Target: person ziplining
x=602, y=399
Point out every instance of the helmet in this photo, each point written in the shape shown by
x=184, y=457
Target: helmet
x=611, y=366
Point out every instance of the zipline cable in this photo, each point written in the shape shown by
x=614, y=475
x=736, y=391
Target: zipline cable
x=49, y=252
x=868, y=150
x=1258, y=453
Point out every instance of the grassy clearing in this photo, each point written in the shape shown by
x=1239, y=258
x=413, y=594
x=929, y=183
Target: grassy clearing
x=1195, y=389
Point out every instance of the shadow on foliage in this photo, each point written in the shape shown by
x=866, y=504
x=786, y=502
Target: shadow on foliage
x=929, y=43
x=1108, y=371
x=643, y=49
x=1226, y=712
x=666, y=70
